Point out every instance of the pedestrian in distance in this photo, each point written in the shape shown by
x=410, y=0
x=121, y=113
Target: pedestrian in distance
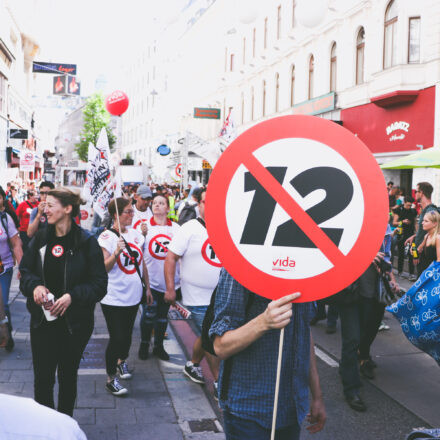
x=65, y=261
x=161, y=231
x=38, y=218
x=429, y=249
x=10, y=253
x=244, y=337
x=128, y=285
x=24, y=213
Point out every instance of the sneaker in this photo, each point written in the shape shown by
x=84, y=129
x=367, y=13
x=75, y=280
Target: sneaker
x=123, y=370
x=383, y=326
x=194, y=372
x=143, y=351
x=116, y=388
x=216, y=390
x=161, y=353
x=412, y=278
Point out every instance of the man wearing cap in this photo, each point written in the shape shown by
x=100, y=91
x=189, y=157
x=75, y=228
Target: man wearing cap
x=142, y=209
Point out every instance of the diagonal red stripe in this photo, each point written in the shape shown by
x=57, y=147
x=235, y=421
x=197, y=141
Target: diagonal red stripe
x=292, y=208
x=161, y=245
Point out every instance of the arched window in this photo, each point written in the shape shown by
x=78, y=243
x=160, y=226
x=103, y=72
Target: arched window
x=265, y=34
x=360, y=54
x=279, y=22
x=333, y=68
x=292, y=86
x=277, y=92
x=252, y=104
x=264, y=98
x=311, y=76
x=390, y=36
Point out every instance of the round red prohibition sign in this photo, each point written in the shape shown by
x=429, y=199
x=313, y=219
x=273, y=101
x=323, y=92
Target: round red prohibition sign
x=124, y=259
x=158, y=246
x=57, y=251
x=178, y=170
x=210, y=258
x=296, y=204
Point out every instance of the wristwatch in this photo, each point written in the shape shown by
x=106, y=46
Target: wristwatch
x=4, y=321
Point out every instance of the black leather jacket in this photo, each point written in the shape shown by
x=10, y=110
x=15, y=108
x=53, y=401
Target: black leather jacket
x=85, y=277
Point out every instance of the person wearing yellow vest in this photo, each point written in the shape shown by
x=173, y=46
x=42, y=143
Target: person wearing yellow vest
x=172, y=213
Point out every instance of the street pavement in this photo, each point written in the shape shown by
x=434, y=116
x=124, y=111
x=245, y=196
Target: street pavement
x=163, y=404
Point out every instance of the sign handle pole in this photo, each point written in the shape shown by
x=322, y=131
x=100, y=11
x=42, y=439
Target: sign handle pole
x=277, y=385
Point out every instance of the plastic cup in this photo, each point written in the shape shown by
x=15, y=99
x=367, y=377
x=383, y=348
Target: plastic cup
x=46, y=307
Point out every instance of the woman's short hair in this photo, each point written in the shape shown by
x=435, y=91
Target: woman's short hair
x=122, y=204
x=161, y=195
x=68, y=197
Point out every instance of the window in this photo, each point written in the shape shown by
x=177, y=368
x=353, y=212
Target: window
x=414, y=40
x=252, y=104
x=265, y=33
x=277, y=92
x=254, y=41
x=292, y=86
x=293, y=12
x=333, y=68
x=390, y=36
x=279, y=22
x=311, y=76
x=360, y=53
x=242, y=108
x=264, y=98
x=231, y=65
x=2, y=94
x=244, y=51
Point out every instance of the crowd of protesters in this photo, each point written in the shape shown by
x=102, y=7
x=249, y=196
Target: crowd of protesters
x=147, y=253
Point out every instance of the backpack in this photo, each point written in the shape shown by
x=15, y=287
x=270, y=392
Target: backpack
x=207, y=343
x=188, y=213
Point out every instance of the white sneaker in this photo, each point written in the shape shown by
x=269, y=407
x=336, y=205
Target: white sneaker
x=194, y=373
x=123, y=371
x=115, y=387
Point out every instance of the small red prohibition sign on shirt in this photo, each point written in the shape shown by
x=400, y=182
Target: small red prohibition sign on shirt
x=125, y=261
x=209, y=256
x=242, y=154
x=57, y=251
x=158, y=246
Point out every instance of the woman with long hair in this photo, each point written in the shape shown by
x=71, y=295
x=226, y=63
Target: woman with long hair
x=123, y=256
x=429, y=249
x=65, y=261
x=161, y=230
x=10, y=254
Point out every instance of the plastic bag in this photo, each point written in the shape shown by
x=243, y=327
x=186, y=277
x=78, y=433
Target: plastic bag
x=418, y=312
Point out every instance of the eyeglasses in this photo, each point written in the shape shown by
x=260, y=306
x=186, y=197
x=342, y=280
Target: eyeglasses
x=129, y=212
x=44, y=193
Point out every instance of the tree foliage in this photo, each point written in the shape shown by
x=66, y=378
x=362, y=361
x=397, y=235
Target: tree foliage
x=95, y=118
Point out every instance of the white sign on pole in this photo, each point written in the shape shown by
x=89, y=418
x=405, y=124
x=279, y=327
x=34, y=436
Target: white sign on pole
x=27, y=161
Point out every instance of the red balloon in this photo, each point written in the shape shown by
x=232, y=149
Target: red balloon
x=116, y=103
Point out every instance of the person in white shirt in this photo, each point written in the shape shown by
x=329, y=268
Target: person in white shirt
x=199, y=274
x=122, y=247
x=161, y=231
x=142, y=210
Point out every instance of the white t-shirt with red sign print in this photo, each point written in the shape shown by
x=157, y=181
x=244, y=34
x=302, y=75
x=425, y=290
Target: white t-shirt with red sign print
x=124, y=285
x=140, y=217
x=156, y=248
x=199, y=266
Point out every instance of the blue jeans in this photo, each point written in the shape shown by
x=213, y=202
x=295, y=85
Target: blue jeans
x=5, y=281
x=197, y=315
x=237, y=428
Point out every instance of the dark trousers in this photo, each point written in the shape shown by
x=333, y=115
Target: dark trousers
x=154, y=316
x=55, y=349
x=332, y=312
x=120, y=322
x=401, y=258
x=237, y=428
x=360, y=323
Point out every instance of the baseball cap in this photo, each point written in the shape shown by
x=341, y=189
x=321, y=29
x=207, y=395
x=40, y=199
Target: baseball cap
x=144, y=192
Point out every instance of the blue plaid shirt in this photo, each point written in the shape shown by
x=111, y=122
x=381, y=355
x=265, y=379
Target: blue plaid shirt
x=251, y=389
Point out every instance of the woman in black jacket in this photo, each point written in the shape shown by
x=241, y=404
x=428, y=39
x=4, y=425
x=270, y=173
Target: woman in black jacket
x=66, y=261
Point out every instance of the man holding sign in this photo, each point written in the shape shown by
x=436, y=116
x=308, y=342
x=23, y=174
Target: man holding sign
x=295, y=204
x=250, y=337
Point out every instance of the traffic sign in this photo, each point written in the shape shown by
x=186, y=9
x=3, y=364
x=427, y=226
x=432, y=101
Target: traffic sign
x=178, y=170
x=296, y=204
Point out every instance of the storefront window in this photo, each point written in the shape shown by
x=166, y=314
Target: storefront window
x=390, y=36
x=360, y=51
x=414, y=40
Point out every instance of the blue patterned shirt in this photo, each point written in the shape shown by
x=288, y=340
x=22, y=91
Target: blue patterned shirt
x=250, y=394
